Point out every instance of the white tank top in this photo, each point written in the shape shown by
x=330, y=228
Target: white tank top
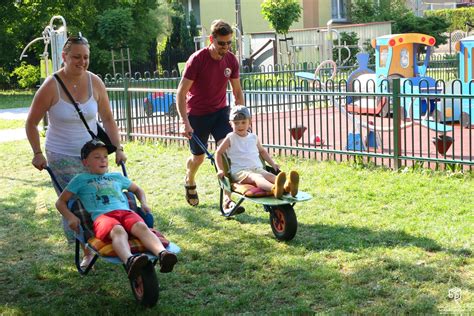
x=243, y=152
x=66, y=132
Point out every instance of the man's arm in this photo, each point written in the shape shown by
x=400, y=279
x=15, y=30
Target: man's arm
x=183, y=88
x=61, y=205
x=237, y=91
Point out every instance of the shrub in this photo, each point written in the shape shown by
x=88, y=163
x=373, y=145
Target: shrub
x=28, y=75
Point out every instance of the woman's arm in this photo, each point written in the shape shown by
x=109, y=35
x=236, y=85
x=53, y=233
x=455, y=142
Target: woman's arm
x=42, y=101
x=107, y=118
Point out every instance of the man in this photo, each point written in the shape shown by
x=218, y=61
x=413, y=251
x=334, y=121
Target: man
x=202, y=103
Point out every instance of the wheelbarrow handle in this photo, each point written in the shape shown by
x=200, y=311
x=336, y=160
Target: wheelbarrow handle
x=53, y=177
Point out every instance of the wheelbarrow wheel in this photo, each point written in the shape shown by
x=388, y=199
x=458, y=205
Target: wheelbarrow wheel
x=283, y=222
x=145, y=286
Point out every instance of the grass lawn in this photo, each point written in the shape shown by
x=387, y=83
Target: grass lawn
x=369, y=242
x=16, y=99
x=11, y=124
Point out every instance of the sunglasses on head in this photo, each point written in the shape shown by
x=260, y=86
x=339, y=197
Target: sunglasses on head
x=79, y=39
x=223, y=43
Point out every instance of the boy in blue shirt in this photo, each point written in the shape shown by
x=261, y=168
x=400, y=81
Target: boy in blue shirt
x=101, y=194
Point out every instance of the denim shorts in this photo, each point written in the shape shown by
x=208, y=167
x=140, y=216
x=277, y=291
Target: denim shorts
x=215, y=124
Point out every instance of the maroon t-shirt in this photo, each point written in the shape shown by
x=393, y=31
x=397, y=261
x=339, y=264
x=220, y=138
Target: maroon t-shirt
x=210, y=77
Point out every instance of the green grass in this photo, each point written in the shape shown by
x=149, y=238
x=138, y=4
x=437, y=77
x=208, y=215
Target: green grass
x=369, y=242
x=10, y=99
x=11, y=124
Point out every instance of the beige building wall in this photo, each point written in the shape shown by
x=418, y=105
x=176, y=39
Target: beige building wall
x=252, y=18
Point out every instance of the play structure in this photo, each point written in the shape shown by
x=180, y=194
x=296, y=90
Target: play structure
x=282, y=214
x=54, y=36
x=145, y=286
x=456, y=109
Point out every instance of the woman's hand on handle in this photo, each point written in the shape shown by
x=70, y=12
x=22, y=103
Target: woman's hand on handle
x=120, y=156
x=39, y=161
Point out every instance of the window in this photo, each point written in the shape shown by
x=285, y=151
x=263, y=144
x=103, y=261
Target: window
x=339, y=10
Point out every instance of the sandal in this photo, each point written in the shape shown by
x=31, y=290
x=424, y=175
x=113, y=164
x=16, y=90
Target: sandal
x=167, y=261
x=135, y=264
x=229, y=206
x=191, y=197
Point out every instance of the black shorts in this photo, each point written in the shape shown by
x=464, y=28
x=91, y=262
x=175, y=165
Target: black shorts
x=215, y=124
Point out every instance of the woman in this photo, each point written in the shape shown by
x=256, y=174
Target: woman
x=66, y=132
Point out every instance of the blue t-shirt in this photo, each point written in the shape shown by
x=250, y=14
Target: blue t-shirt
x=100, y=193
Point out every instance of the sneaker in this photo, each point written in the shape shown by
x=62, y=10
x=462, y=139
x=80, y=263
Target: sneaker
x=135, y=264
x=167, y=261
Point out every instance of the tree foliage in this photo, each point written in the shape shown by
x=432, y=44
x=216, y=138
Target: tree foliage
x=364, y=11
x=105, y=23
x=281, y=14
x=28, y=75
x=458, y=18
x=404, y=21
x=179, y=45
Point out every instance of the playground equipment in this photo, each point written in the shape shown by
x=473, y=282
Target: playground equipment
x=145, y=286
x=316, y=76
x=54, y=36
x=282, y=215
x=455, y=109
x=298, y=131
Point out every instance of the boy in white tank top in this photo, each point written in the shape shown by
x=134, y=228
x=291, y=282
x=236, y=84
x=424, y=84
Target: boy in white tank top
x=244, y=150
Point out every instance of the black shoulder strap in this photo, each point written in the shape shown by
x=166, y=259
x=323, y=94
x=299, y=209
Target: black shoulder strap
x=75, y=105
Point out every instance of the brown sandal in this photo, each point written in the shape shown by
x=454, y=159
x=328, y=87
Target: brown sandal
x=190, y=197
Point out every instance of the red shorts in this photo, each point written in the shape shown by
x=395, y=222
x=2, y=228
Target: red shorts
x=105, y=222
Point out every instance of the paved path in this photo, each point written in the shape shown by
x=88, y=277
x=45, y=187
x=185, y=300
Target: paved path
x=8, y=135
x=14, y=114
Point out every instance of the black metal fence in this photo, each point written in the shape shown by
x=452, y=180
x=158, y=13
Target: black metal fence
x=400, y=125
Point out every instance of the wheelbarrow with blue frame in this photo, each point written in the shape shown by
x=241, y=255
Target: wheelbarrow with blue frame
x=145, y=286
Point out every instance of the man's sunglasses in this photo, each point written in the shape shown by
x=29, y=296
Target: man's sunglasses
x=222, y=43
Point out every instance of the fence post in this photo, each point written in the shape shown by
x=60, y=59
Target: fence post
x=128, y=110
x=396, y=123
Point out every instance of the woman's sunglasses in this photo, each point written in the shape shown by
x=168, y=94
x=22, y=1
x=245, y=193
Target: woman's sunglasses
x=79, y=39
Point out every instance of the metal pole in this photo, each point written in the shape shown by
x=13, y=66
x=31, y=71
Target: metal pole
x=397, y=137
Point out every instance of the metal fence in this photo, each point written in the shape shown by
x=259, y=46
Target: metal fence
x=405, y=125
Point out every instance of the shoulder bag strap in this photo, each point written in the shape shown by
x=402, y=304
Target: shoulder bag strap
x=75, y=105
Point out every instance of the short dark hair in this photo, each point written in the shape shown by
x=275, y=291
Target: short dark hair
x=90, y=146
x=220, y=27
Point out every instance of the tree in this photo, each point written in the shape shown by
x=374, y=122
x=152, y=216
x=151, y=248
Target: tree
x=179, y=45
x=405, y=21
x=281, y=14
x=363, y=11
x=22, y=21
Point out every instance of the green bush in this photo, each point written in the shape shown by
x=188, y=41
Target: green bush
x=4, y=79
x=28, y=75
x=456, y=17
